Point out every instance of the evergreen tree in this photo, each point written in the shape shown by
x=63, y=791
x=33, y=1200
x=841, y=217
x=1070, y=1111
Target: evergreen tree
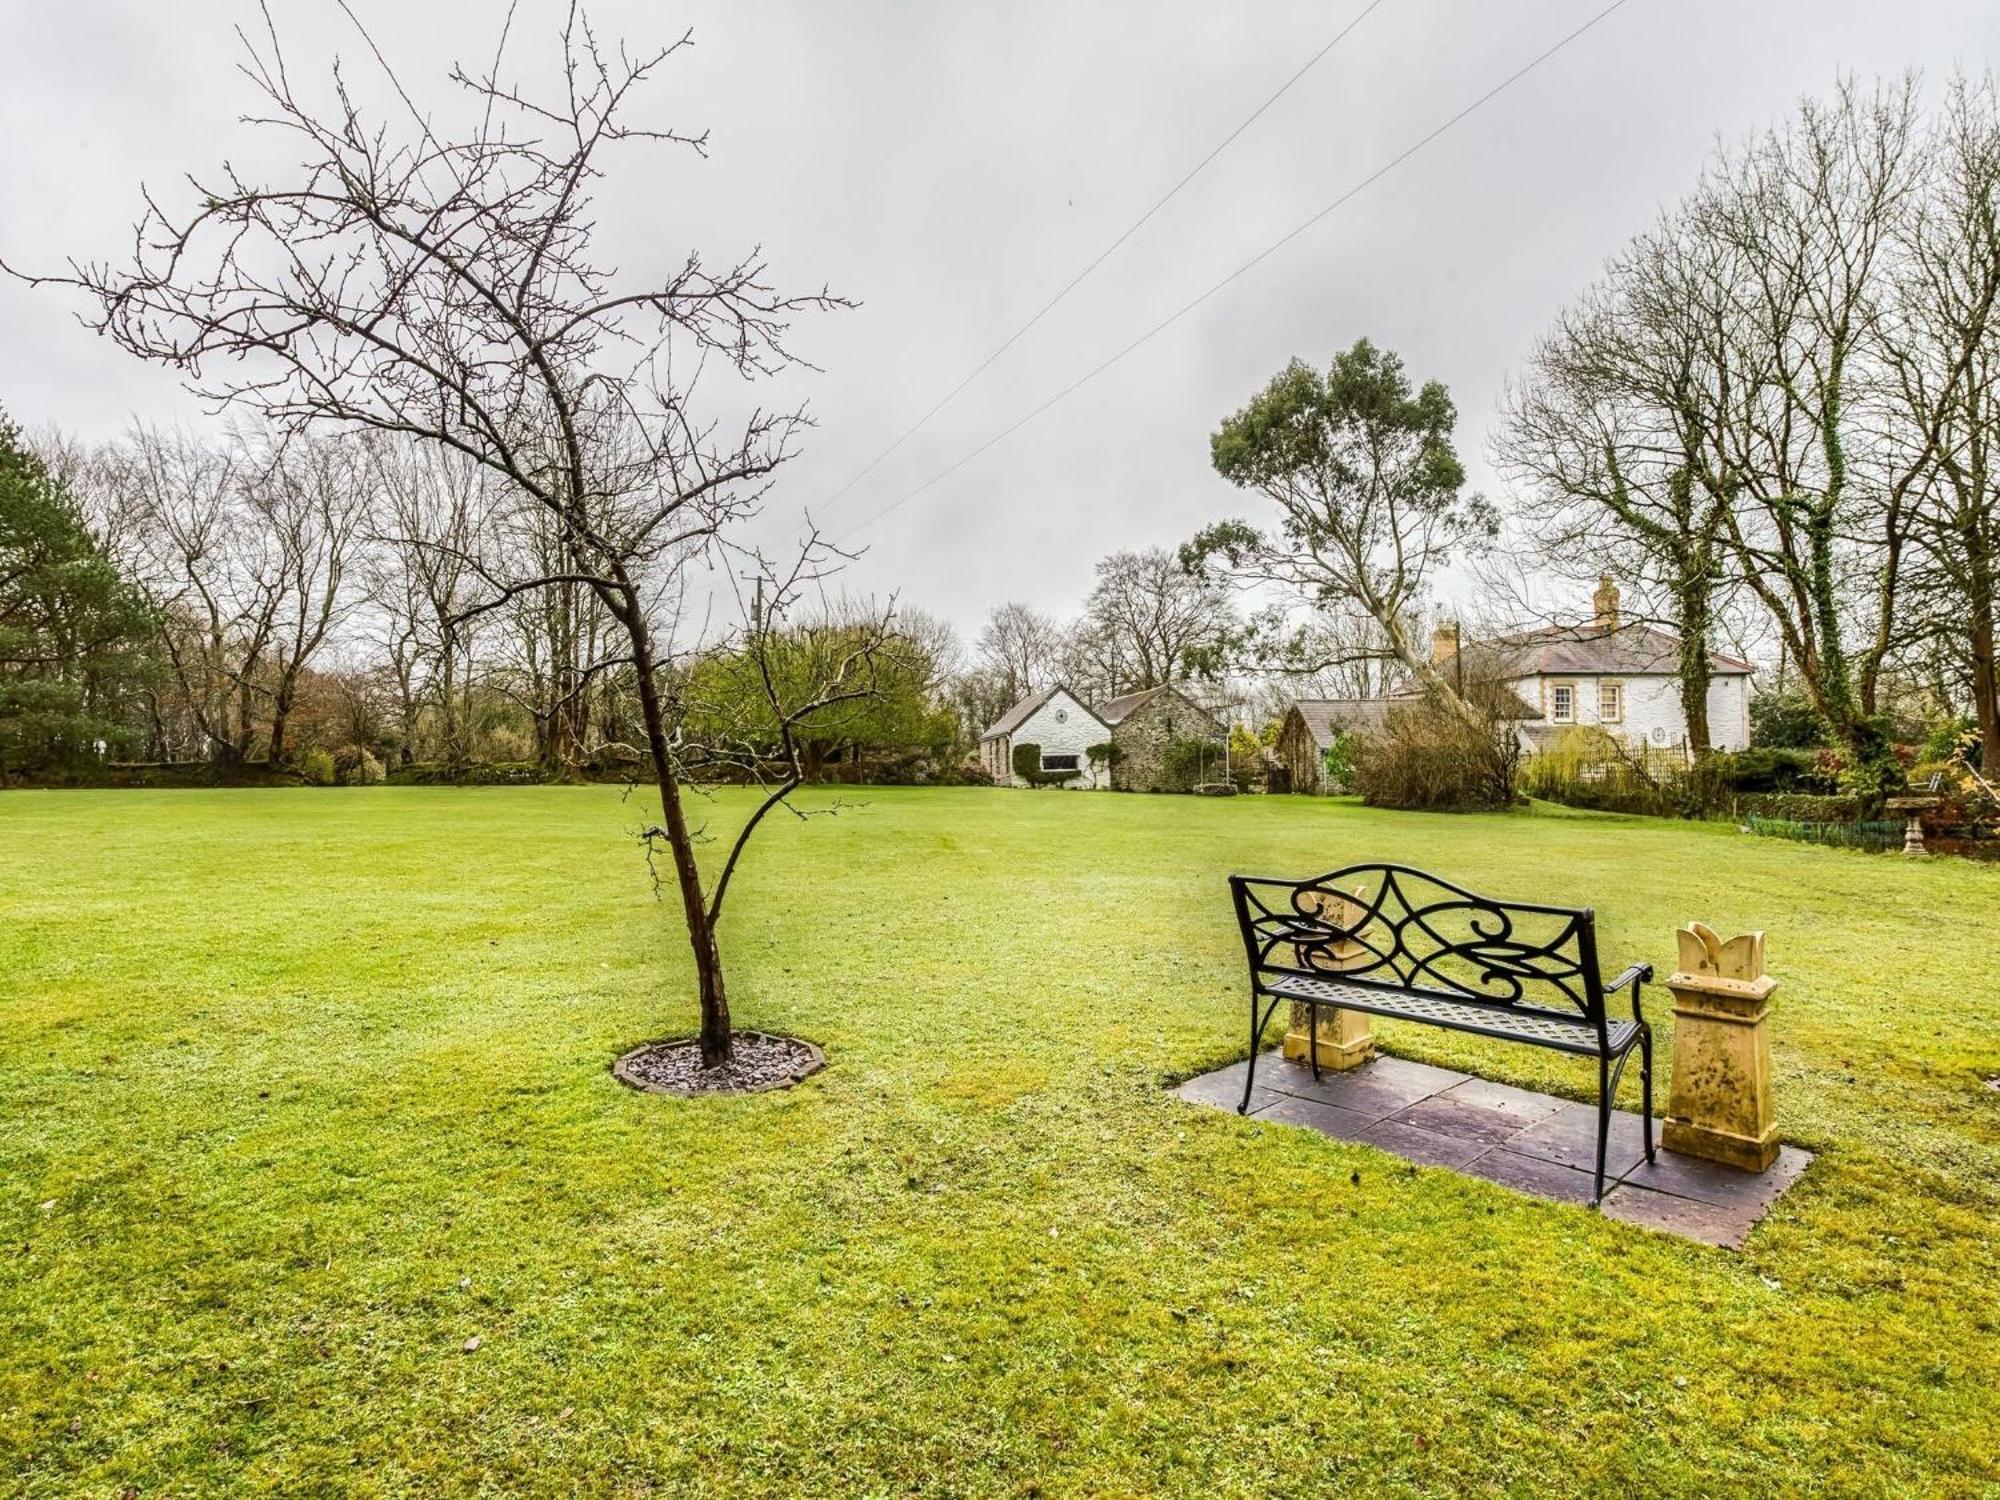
x=74, y=636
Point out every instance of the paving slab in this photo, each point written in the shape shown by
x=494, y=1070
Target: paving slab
x=1426, y=1147
x=1327, y=1119
x=1532, y=1175
x=1707, y=1222
x=1522, y=1105
x=1569, y=1136
x=1534, y=1143
x=1378, y=1089
x=1441, y=1114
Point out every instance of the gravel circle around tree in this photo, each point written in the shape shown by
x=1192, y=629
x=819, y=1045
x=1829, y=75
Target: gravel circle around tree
x=760, y=1062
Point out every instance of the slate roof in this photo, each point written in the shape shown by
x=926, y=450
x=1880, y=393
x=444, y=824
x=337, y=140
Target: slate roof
x=1589, y=651
x=1114, y=710
x=1324, y=717
x=1021, y=712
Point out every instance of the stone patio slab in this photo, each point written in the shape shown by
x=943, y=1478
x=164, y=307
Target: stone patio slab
x=1378, y=1090
x=1442, y=1114
x=1327, y=1119
x=1532, y=1175
x=1522, y=1105
x=1425, y=1147
x=1569, y=1136
x=1534, y=1143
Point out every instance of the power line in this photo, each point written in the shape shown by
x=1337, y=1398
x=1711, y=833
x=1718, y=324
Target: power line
x=1258, y=259
x=1102, y=256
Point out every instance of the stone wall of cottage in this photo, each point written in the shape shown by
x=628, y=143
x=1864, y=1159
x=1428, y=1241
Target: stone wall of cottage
x=1143, y=735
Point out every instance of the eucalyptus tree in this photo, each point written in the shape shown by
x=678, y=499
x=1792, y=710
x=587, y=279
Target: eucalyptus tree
x=1370, y=500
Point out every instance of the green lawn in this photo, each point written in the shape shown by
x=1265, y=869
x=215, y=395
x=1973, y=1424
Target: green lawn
x=300, y=1091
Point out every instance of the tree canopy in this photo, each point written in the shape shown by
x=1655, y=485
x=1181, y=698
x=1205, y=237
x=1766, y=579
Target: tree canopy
x=74, y=635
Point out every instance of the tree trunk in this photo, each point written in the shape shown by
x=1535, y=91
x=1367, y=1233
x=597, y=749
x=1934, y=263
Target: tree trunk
x=281, y=714
x=1985, y=669
x=1694, y=667
x=716, y=1046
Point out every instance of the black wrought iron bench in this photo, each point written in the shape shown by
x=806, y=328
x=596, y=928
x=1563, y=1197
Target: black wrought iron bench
x=1394, y=941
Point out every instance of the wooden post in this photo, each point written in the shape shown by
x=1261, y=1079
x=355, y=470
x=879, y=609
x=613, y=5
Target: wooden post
x=1721, y=1107
x=1344, y=1040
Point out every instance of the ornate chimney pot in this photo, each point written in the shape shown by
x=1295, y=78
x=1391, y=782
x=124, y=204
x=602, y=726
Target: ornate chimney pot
x=1721, y=1107
x=1605, y=601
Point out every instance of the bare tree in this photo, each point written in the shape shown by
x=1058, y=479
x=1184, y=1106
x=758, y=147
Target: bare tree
x=1022, y=647
x=1604, y=444
x=1155, y=619
x=216, y=583
x=311, y=496
x=430, y=551
x=439, y=281
x=1940, y=338
x=1809, y=217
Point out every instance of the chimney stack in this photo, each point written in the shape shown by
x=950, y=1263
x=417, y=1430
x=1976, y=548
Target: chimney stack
x=1605, y=600
x=1444, y=642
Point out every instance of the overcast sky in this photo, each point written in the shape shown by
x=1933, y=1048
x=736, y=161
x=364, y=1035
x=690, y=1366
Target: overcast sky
x=951, y=166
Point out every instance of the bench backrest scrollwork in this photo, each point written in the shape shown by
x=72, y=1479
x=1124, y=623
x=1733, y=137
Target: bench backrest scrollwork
x=1395, y=927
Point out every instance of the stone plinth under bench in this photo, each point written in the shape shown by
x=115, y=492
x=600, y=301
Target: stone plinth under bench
x=1534, y=1143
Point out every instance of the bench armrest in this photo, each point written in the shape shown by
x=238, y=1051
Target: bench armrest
x=1632, y=978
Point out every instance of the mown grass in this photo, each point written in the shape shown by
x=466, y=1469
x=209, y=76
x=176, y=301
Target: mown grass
x=302, y=1090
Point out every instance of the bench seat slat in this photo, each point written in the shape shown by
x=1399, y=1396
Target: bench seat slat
x=1519, y=1023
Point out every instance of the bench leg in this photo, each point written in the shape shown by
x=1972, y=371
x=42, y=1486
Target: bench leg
x=1603, y=1124
x=1312, y=1036
x=1257, y=1026
x=1646, y=1084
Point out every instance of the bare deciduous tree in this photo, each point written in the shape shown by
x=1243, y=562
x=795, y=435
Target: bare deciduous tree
x=440, y=281
x=1022, y=647
x=1155, y=620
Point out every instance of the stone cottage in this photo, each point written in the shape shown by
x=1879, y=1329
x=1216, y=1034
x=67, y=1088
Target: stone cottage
x=1138, y=727
x=1143, y=725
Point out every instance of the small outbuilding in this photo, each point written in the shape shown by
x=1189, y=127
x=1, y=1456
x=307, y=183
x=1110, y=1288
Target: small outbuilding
x=1310, y=728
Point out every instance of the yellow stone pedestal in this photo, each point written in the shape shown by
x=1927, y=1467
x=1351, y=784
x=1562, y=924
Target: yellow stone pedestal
x=1344, y=1038
x=1721, y=1107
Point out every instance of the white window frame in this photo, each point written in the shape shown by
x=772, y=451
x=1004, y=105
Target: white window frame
x=1616, y=692
x=1049, y=762
x=1556, y=715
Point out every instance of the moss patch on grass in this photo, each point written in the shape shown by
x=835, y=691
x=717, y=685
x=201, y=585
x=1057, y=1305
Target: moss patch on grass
x=302, y=1091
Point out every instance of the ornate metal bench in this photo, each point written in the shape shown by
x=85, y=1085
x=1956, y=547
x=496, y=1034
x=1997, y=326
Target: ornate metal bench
x=1393, y=941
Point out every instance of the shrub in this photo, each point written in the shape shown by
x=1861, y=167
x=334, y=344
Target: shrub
x=1431, y=755
x=1949, y=739
x=1787, y=720
x=1805, y=807
x=1337, y=760
x=971, y=773
x=356, y=765
x=1028, y=766
x=316, y=768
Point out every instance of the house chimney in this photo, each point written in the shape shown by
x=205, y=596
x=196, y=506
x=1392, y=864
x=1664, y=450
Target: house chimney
x=1605, y=600
x=1444, y=642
